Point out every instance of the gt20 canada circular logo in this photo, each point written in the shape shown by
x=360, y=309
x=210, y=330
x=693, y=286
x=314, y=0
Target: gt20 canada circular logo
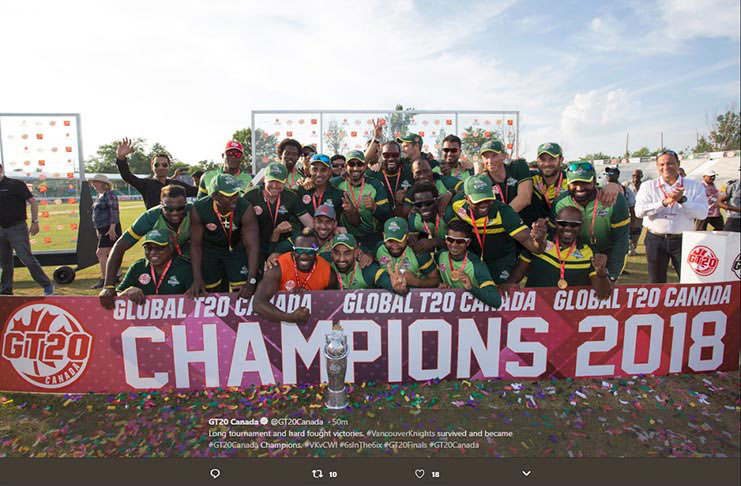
x=702, y=260
x=46, y=345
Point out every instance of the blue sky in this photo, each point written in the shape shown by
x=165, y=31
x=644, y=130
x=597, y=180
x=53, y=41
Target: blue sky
x=187, y=74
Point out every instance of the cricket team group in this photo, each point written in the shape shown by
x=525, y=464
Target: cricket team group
x=391, y=217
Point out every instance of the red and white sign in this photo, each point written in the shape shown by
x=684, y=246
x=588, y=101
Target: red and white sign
x=46, y=345
x=709, y=256
x=171, y=342
x=702, y=260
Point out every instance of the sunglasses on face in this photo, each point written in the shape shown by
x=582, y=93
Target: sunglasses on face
x=423, y=204
x=456, y=241
x=581, y=165
x=161, y=164
x=174, y=209
x=391, y=155
x=452, y=150
x=338, y=166
x=569, y=224
x=234, y=154
x=300, y=250
x=355, y=163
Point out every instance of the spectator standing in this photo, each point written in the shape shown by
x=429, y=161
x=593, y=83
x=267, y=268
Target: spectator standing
x=149, y=187
x=669, y=206
x=636, y=225
x=14, y=195
x=730, y=200
x=711, y=192
x=106, y=220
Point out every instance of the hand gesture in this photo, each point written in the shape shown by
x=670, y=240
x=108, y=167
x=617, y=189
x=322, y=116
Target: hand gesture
x=508, y=287
x=444, y=202
x=608, y=194
x=246, y=291
x=135, y=295
x=196, y=290
x=539, y=230
x=107, y=297
x=369, y=203
x=124, y=149
x=599, y=262
x=307, y=183
x=443, y=285
x=445, y=168
x=284, y=227
x=398, y=282
x=466, y=281
x=378, y=128
x=401, y=194
x=300, y=315
x=424, y=245
x=677, y=193
x=364, y=259
x=347, y=205
x=271, y=261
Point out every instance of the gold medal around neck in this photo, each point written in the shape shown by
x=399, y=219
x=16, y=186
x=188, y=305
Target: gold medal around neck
x=562, y=284
x=455, y=275
x=593, y=240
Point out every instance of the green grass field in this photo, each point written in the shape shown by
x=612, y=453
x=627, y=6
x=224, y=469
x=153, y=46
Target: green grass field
x=675, y=416
x=58, y=227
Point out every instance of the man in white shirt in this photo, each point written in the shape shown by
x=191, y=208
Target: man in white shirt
x=668, y=205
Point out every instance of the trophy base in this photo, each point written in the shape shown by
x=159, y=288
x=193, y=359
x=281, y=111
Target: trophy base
x=336, y=400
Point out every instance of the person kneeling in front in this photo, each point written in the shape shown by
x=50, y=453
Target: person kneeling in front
x=461, y=269
x=159, y=273
x=296, y=271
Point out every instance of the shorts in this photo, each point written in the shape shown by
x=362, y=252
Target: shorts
x=103, y=240
x=220, y=263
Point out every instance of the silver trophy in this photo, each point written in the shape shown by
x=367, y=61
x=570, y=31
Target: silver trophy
x=335, y=351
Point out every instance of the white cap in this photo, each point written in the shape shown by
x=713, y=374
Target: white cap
x=709, y=173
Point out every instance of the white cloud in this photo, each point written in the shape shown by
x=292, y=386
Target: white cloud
x=596, y=112
x=664, y=26
x=688, y=19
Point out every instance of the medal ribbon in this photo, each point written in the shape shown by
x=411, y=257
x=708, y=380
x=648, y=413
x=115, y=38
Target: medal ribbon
x=660, y=184
x=221, y=223
x=544, y=189
x=476, y=231
x=437, y=225
x=360, y=196
x=563, y=262
x=593, y=238
x=452, y=268
x=352, y=277
x=277, y=205
x=300, y=285
x=317, y=202
x=388, y=184
x=162, y=277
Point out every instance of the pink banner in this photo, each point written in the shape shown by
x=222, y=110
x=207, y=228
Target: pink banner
x=72, y=345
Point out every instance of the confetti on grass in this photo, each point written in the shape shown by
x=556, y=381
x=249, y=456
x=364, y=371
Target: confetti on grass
x=643, y=416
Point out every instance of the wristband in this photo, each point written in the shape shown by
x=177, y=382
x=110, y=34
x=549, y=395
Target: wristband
x=107, y=287
x=34, y=221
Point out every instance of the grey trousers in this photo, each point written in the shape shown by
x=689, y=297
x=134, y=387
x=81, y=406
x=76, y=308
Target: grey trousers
x=16, y=238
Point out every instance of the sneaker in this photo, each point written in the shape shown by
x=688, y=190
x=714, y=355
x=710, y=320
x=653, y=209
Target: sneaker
x=49, y=289
x=98, y=284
